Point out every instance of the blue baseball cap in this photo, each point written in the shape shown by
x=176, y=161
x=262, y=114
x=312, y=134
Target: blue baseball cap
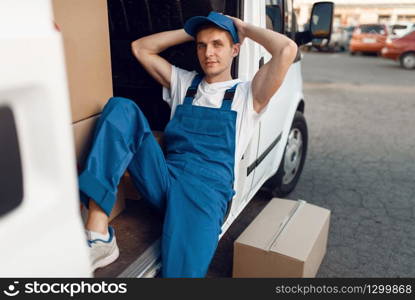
x=191, y=26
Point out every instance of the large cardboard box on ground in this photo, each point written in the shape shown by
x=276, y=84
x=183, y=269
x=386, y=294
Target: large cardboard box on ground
x=83, y=131
x=84, y=28
x=287, y=239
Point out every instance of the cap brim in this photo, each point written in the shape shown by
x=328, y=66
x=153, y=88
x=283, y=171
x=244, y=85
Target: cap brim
x=191, y=26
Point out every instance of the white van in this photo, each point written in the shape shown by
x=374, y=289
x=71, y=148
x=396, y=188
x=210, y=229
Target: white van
x=41, y=231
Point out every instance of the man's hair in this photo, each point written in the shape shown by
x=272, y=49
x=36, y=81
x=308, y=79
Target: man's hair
x=211, y=25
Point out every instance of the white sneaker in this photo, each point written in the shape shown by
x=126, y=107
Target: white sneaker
x=103, y=252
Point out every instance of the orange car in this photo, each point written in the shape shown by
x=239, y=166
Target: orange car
x=368, y=38
x=402, y=49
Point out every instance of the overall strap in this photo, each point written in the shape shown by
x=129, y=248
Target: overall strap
x=228, y=97
x=191, y=91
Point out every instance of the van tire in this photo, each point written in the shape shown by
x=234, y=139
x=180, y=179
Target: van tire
x=281, y=184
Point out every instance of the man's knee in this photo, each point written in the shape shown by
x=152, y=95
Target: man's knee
x=120, y=102
x=122, y=108
x=124, y=114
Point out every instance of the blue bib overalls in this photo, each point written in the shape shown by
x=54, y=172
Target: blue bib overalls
x=192, y=184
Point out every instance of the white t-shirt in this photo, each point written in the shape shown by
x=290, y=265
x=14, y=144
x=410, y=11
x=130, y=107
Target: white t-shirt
x=211, y=95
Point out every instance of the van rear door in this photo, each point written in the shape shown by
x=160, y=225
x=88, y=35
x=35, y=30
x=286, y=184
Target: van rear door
x=41, y=231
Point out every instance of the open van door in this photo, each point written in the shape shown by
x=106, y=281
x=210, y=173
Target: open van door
x=41, y=231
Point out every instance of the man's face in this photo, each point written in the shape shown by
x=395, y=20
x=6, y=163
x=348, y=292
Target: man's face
x=215, y=51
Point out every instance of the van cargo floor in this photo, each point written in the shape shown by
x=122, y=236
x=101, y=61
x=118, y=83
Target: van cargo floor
x=136, y=229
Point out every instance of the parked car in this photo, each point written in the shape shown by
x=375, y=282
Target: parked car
x=402, y=50
x=346, y=37
x=335, y=42
x=368, y=38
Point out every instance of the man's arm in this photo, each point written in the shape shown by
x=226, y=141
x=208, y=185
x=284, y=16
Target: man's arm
x=147, y=49
x=271, y=75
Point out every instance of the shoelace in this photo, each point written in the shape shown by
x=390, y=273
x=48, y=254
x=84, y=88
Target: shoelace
x=90, y=242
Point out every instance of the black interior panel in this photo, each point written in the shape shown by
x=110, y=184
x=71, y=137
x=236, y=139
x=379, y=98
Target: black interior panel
x=132, y=19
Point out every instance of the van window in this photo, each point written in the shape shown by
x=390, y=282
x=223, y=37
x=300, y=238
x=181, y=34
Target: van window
x=281, y=17
x=274, y=19
x=288, y=4
x=11, y=182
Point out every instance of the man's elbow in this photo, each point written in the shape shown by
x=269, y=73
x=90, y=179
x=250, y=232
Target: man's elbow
x=289, y=51
x=138, y=49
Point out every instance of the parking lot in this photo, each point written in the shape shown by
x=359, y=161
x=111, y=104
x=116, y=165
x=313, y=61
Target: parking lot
x=360, y=165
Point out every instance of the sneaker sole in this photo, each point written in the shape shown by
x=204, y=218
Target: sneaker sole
x=107, y=260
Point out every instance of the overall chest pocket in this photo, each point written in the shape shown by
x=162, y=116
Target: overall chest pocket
x=210, y=127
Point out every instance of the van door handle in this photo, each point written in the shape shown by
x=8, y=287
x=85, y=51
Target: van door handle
x=261, y=62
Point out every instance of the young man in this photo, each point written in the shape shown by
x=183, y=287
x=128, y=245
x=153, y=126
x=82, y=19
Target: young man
x=212, y=120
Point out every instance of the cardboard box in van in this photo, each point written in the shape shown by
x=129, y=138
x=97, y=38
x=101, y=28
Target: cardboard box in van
x=85, y=33
x=287, y=239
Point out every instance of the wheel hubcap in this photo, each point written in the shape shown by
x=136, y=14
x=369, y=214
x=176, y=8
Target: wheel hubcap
x=293, y=154
x=409, y=61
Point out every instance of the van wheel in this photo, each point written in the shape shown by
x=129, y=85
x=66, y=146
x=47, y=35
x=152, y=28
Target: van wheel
x=408, y=61
x=291, y=166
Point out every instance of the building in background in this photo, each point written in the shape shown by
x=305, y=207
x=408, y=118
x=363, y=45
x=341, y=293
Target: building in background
x=354, y=12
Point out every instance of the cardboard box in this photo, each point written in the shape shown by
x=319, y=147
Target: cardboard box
x=287, y=239
x=83, y=131
x=84, y=28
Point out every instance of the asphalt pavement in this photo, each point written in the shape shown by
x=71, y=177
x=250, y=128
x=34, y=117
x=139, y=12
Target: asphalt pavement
x=360, y=164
